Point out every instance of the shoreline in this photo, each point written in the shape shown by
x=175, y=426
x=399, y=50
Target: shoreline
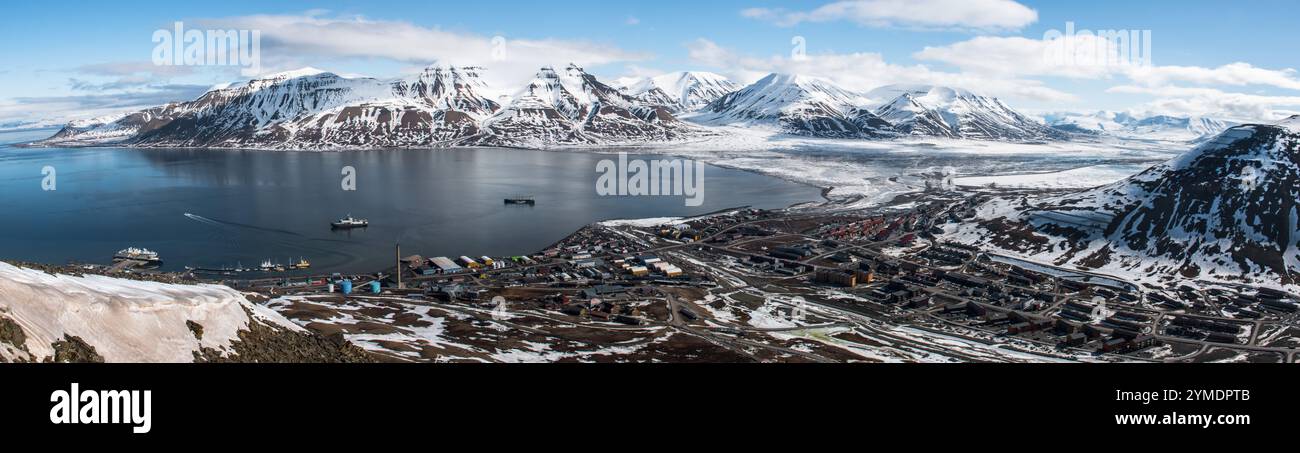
x=828, y=201
x=730, y=148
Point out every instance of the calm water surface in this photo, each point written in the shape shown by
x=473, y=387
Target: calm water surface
x=215, y=209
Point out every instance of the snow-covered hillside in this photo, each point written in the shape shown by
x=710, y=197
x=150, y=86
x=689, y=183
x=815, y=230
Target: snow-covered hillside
x=681, y=92
x=443, y=106
x=573, y=107
x=1127, y=126
x=45, y=317
x=1089, y=123
x=952, y=112
x=797, y=105
x=448, y=106
x=1227, y=211
x=1169, y=128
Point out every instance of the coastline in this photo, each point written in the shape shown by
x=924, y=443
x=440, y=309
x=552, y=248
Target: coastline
x=833, y=197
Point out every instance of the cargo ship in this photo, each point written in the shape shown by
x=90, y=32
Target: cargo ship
x=146, y=256
x=348, y=223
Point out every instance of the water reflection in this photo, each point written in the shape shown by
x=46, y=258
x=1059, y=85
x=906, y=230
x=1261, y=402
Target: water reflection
x=218, y=208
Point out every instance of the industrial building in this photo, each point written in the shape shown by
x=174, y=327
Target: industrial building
x=445, y=265
x=843, y=277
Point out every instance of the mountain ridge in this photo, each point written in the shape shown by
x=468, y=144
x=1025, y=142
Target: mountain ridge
x=929, y=110
x=683, y=91
x=1226, y=210
x=797, y=105
x=445, y=106
x=1186, y=129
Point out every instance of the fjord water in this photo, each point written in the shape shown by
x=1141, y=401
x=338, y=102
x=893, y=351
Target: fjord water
x=220, y=208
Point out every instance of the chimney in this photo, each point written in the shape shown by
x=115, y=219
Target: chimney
x=399, y=266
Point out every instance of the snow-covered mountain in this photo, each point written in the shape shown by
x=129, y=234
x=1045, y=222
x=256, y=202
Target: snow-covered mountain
x=452, y=106
x=910, y=117
x=798, y=105
x=1125, y=125
x=573, y=107
x=443, y=106
x=952, y=112
x=314, y=108
x=1178, y=128
x=1089, y=123
x=679, y=91
x=21, y=125
x=1227, y=210
x=116, y=128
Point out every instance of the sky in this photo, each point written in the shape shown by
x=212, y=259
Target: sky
x=1231, y=60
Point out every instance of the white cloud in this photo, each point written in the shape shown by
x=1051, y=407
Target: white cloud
x=289, y=39
x=316, y=39
x=61, y=109
x=1178, y=100
x=1087, y=57
x=1016, y=57
x=865, y=71
x=1235, y=74
x=1092, y=57
x=924, y=14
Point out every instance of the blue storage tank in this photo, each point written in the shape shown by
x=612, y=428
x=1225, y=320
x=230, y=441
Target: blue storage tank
x=346, y=285
x=374, y=287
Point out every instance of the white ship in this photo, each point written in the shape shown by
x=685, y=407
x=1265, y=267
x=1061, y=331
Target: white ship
x=349, y=222
x=138, y=254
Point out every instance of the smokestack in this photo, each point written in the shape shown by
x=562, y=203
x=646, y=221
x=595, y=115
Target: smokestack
x=399, y=266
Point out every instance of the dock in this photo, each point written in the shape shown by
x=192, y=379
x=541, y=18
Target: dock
x=126, y=265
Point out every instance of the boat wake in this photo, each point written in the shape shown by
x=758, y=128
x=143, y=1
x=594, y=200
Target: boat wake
x=220, y=223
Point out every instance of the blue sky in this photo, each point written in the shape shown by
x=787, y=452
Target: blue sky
x=1209, y=57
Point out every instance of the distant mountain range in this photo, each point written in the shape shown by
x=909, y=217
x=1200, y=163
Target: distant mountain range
x=956, y=113
x=681, y=92
x=1125, y=125
x=797, y=105
x=1227, y=210
x=450, y=106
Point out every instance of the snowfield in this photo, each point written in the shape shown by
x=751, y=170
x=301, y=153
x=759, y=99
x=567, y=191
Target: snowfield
x=1224, y=211
x=874, y=172
x=125, y=321
x=1078, y=178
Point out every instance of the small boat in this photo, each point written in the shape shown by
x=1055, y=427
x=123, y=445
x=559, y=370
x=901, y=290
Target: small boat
x=530, y=201
x=143, y=255
x=348, y=223
x=302, y=264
